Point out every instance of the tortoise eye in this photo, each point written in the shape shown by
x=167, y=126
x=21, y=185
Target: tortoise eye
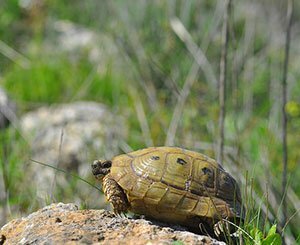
x=181, y=161
x=106, y=164
x=155, y=158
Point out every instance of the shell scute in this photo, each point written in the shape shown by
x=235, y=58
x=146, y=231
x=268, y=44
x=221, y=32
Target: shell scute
x=177, y=169
x=203, y=176
x=126, y=180
x=149, y=165
x=203, y=208
x=140, y=187
x=170, y=199
x=187, y=203
x=155, y=193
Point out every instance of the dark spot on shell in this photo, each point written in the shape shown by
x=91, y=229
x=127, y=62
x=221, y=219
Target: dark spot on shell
x=206, y=170
x=155, y=158
x=181, y=161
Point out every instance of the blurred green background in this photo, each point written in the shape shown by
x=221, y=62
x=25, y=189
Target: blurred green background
x=137, y=57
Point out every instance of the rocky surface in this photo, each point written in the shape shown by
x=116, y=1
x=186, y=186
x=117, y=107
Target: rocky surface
x=69, y=137
x=65, y=224
x=7, y=109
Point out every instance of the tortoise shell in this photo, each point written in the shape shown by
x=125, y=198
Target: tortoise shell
x=177, y=185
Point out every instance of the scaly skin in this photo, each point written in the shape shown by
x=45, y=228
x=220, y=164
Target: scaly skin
x=115, y=195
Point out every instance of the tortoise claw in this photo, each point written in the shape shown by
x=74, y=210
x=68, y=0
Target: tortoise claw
x=217, y=229
x=221, y=227
x=120, y=214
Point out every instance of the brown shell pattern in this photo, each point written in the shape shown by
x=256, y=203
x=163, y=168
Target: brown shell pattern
x=176, y=183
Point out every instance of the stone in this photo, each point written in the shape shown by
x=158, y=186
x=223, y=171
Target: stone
x=69, y=137
x=66, y=224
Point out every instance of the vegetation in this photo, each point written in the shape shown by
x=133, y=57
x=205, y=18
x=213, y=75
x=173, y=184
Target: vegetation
x=162, y=59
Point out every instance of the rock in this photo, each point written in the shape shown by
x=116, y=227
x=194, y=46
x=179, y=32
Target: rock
x=70, y=137
x=65, y=224
x=7, y=109
x=64, y=36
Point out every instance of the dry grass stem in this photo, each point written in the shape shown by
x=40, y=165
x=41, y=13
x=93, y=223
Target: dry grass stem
x=284, y=115
x=137, y=55
x=177, y=114
x=52, y=190
x=222, y=81
x=195, y=51
x=142, y=118
x=85, y=85
x=14, y=55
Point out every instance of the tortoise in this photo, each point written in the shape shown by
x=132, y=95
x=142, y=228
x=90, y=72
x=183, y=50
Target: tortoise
x=172, y=185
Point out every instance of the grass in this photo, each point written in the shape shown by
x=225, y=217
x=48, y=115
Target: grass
x=155, y=64
x=56, y=79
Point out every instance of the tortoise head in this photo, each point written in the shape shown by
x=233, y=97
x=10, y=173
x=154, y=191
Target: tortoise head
x=100, y=168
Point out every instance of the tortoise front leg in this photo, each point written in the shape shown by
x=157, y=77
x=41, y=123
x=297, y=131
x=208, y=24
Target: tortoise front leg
x=115, y=195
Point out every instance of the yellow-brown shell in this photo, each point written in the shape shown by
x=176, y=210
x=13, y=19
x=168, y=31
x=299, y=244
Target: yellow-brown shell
x=177, y=185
